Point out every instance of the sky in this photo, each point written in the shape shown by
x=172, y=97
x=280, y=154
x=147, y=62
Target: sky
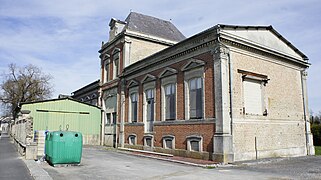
x=63, y=37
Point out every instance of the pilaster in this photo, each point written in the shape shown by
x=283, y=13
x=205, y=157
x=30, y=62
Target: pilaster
x=309, y=136
x=223, y=140
x=122, y=114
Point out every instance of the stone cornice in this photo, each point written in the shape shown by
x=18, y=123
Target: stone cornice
x=251, y=47
x=149, y=38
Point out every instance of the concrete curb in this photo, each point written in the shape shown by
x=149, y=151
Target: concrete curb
x=174, y=161
x=36, y=171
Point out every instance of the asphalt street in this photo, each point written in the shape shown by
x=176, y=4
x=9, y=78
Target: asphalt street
x=11, y=165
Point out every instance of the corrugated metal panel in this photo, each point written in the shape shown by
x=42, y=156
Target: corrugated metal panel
x=53, y=115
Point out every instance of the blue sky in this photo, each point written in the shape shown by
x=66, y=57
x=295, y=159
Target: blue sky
x=63, y=37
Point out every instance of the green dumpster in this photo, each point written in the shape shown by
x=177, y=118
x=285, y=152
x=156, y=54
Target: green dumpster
x=63, y=147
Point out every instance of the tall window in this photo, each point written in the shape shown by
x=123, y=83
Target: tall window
x=150, y=104
x=134, y=100
x=170, y=104
x=106, y=71
x=116, y=65
x=195, y=98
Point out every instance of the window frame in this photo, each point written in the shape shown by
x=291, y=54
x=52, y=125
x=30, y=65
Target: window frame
x=197, y=138
x=168, y=137
x=107, y=70
x=130, y=112
x=148, y=86
x=189, y=75
x=129, y=139
x=260, y=79
x=165, y=82
x=116, y=64
x=151, y=139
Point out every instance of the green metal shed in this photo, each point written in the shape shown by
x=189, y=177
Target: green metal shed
x=60, y=114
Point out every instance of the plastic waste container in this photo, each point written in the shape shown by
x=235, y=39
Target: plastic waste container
x=63, y=147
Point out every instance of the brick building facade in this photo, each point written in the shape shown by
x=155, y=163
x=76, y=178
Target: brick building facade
x=229, y=93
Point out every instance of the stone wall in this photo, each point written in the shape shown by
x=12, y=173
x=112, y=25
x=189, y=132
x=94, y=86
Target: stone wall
x=282, y=131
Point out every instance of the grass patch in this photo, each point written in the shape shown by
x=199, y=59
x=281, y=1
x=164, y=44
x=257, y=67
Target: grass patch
x=317, y=150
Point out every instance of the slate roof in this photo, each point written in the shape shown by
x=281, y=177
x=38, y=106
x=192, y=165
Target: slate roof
x=153, y=26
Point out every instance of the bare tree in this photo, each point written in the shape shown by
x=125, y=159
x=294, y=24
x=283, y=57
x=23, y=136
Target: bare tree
x=24, y=84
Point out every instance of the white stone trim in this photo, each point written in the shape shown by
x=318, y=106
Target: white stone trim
x=194, y=138
x=129, y=141
x=152, y=140
x=148, y=78
x=196, y=63
x=132, y=83
x=163, y=73
x=171, y=137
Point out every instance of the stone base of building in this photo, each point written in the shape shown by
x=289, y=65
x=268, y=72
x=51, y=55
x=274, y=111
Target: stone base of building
x=223, y=148
x=287, y=152
x=175, y=152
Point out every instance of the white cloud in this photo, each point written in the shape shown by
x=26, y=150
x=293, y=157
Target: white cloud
x=63, y=37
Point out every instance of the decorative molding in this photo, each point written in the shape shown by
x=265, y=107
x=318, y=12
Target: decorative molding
x=132, y=83
x=167, y=72
x=148, y=78
x=106, y=56
x=264, y=52
x=220, y=51
x=193, y=63
x=116, y=50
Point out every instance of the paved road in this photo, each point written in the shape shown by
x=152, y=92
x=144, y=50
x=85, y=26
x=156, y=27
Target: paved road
x=307, y=167
x=11, y=165
x=97, y=163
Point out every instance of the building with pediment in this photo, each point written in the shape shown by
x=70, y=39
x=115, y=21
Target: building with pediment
x=228, y=93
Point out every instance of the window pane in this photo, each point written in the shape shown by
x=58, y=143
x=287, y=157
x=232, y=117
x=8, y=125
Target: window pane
x=107, y=72
x=194, y=145
x=148, y=141
x=192, y=103
x=192, y=84
x=114, y=117
x=132, y=140
x=134, y=111
x=169, y=143
x=170, y=109
x=108, y=118
x=199, y=105
x=196, y=98
x=134, y=97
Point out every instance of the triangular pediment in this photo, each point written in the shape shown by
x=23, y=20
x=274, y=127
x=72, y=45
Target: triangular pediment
x=148, y=78
x=132, y=83
x=193, y=63
x=168, y=72
x=266, y=37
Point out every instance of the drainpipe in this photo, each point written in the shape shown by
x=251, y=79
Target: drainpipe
x=302, y=72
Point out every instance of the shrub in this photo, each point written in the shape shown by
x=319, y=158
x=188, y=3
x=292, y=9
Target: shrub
x=316, y=131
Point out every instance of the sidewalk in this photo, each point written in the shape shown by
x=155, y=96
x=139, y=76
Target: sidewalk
x=11, y=163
